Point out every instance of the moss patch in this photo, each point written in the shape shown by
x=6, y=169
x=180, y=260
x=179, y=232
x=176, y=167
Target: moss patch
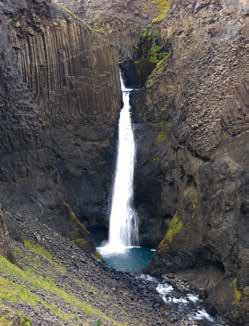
x=10, y=318
x=151, y=51
x=27, y=282
x=235, y=292
x=191, y=196
x=36, y=248
x=161, y=137
x=98, y=256
x=158, y=70
x=174, y=228
x=81, y=243
x=71, y=215
x=162, y=8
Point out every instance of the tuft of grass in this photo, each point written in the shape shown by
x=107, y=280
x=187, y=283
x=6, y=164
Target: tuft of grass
x=235, y=292
x=36, y=248
x=158, y=70
x=20, y=293
x=81, y=243
x=9, y=315
x=162, y=8
x=191, y=195
x=174, y=228
x=161, y=137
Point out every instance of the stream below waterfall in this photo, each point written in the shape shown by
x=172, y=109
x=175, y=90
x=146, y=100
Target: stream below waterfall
x=134, y=259
x=122, y=251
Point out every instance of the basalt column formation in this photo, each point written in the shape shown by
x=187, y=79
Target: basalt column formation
x=59, y=98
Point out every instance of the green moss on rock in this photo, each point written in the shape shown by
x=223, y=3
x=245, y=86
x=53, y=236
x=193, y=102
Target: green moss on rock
x=36, y=248
x=158, y=70
x=235, y=292
x=27, y=286
x=162, y=8
x=77, y=232
x=191, y=196
x=151, y=51
x=81, y=243
x=161, y=137
x=174, y=228
x=98, y=256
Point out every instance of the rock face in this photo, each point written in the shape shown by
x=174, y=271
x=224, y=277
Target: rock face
x=59, y=99
x=192, y=127
x=5, y=245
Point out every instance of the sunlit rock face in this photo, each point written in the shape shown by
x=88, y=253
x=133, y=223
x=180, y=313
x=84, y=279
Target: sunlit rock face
x=59, y=98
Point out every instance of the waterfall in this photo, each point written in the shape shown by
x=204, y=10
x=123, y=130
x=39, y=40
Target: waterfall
x=123, y=226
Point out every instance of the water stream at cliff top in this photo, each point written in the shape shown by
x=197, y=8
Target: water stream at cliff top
x=123, y=226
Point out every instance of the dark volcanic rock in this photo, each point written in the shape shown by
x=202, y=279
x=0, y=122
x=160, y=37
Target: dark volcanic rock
x=201, y=94
x=5, y=244
x=59, y=100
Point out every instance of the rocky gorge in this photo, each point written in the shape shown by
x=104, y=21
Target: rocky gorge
x=60, y=100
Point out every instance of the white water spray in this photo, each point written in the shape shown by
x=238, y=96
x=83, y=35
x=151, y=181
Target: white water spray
x=123, y=228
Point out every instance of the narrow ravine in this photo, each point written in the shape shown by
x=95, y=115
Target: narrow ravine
x=122, y=251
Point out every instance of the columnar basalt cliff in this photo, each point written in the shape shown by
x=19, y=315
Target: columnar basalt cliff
x=193, y=133
x=60, y=98
x=59, y=102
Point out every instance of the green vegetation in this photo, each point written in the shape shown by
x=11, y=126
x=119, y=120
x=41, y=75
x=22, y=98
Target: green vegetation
x=156, y=158
x=152, y=52
x=153, y=47
x=71, y=215
x=81, y=243
x=174, y=228
x=20, y=285
x=191, y=195
x=163, y=8
x=7, y=315
x=161, y=137
x=235, y=292
x=36, y=248
x=19, y=294
x=98, y=256
x=158, y=70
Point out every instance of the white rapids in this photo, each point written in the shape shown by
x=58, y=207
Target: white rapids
x=123, y=226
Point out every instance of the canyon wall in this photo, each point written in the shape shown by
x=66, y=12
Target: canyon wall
x=192, y=132
x=59, y=102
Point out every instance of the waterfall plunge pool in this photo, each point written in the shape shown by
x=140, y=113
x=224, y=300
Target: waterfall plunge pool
x=121, y=251
x=132, y=259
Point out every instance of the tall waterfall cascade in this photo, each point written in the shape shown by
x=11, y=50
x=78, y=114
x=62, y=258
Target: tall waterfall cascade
x=123, y=225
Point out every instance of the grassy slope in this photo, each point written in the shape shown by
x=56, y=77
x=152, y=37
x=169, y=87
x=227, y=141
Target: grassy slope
x=35, y=288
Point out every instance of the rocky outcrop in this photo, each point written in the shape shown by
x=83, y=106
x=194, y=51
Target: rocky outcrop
x=59, y=99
